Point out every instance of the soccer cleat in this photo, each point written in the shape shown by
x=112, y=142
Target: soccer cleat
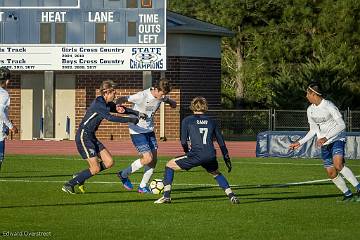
x=348, y=198
x=144, y=190
x=234, y=200
x=81, y=186
x=68, y=189
x=126, y=182
x=163, y=200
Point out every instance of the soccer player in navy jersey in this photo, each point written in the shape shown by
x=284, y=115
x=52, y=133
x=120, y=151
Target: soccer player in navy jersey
x=88, y=145
x=199, y=130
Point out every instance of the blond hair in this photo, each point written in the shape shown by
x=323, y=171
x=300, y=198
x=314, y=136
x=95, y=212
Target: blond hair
x=199, y=104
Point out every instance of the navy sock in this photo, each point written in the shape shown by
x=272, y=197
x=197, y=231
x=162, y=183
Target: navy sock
x=168, y=179
x=358, y=187
x=221, y=180
x=81, y=177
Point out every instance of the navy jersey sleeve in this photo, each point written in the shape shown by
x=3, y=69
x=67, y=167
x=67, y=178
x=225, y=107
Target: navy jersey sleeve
x=220, y=140
x=131, y=111
x=184, y=135
x=104, y=112
x=127, y=110
x=112, y=106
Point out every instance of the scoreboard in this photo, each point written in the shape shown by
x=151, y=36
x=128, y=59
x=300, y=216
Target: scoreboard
x=83, y=34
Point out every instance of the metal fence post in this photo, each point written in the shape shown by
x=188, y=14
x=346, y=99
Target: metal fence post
x=270, y=120
x=274, y=120
x=349, y=127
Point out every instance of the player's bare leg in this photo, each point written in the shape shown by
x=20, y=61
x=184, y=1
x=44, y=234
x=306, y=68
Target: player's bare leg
x=148, y=172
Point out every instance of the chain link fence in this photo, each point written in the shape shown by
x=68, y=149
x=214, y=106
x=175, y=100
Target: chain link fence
x=246, y=124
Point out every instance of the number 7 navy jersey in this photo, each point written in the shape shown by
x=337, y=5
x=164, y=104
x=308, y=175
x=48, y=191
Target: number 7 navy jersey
x=200, y=131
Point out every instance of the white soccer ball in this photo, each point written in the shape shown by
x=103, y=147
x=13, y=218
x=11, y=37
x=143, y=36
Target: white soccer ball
x=157, y=186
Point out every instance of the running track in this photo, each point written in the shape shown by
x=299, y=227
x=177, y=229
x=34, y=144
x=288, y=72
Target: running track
x=117, y=148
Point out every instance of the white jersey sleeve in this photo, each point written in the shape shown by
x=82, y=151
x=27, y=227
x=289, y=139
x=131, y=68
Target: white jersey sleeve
x=314, y=129
x=4, y=117
x=136, y=98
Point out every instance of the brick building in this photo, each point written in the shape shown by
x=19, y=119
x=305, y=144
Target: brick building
x=193, y=67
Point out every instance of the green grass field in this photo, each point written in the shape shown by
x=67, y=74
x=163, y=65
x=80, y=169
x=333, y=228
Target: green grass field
x=31, y=201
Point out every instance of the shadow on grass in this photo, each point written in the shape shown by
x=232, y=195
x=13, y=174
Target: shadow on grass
x=271, y=199
x=35, y=176
x=244, y=197
x=279, y=185
x=77, y=204
x=186, y=199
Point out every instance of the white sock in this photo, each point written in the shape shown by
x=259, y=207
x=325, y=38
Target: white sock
x=148, y=172
x=228, y=191
x=340, y=183
x=135, y=165
x=348, y=175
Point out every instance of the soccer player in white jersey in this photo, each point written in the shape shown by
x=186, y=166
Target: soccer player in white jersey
x=327, y=124
x=142, y=134
x=5, y=123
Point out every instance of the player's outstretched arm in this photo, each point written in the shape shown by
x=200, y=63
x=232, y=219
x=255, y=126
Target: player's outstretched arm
x=113, y=118
x=125, y=110
x=105, y=113
x=121, y=100
x=169, y=101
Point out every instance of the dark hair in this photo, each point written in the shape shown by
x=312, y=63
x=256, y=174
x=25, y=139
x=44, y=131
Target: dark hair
x=163, y=85
x=316, y=88
x=4, y=73
x=107, y=85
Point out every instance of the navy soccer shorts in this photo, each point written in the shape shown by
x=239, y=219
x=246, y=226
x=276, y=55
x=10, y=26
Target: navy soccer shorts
x=189, y=161
x=87, y=144
x=144, y=142
x=330, y=150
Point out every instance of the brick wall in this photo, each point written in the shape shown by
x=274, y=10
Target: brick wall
x=15, y=102
x=190, y=77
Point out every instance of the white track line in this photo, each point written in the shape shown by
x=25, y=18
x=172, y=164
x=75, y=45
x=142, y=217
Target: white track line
x=176, y=184
x=233, y=162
